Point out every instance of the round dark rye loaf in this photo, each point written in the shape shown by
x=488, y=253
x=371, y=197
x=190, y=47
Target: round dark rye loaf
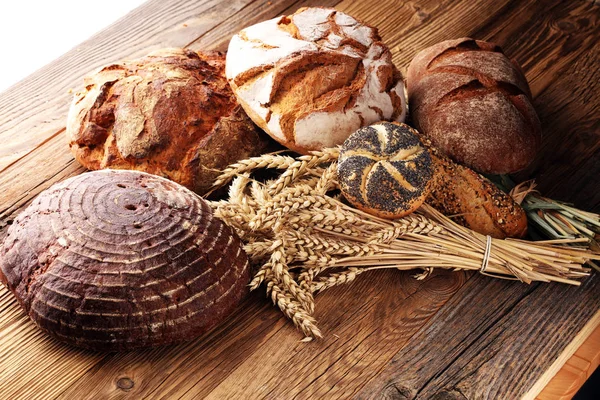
x=114, y=260
x=474, y=103
x=385, y=170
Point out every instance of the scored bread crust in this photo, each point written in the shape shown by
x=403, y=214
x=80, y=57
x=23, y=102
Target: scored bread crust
x=474, y=103
x=171, y=113
x=115, y=260
x=385, y=170
x=312, y=78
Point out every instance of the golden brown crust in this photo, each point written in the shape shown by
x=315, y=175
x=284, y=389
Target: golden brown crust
x=385, y=170
x=475, y=202
x=171, y=113
x=474, y=103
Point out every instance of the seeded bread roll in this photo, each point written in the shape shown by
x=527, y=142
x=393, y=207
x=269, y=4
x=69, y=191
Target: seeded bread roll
x=171, y=113
x=473, y=201
x=115, y=260
x=385, y=170
x=312, y=78
x=474, y=103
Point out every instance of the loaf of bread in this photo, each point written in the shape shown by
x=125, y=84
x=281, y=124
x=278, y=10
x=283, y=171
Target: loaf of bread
x=384, y=169
x=474, y=103
x=473, y=201
x=114, y=260
x=312, y=78
x=171, y=113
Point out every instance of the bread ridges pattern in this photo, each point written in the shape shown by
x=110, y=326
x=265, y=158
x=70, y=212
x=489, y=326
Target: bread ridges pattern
x=114, y=260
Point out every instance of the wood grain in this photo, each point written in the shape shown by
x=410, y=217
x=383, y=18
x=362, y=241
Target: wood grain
x=222, y=359
x=565, y=384
x=509, y=336
x=451, y=334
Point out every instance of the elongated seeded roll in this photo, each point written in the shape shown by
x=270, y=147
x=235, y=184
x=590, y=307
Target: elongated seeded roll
x=473, y=201
x=115, y=260
x=385, y=170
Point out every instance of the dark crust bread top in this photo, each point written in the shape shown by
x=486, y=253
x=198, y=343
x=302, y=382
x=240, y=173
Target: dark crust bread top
x=171, y=113
x=385, y=167
x=475, y=105
x=114, y=260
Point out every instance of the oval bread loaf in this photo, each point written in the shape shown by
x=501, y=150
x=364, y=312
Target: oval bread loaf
x=384, y=169
x=171, y=113
x=312, y=78
x=474, y=202
x=474, y=104
x=115, y=260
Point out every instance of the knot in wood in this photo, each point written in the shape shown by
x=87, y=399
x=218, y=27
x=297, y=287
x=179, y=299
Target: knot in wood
x=125, y=383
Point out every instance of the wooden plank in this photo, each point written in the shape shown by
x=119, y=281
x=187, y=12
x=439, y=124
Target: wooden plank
x=259, y=340
x=52, y=162
x=571, y=377
x=136, y=34
x=235, y=358
x=565, y=356
x=570, y=163
x=365, y=323
x=486, y=344
x=551, y=84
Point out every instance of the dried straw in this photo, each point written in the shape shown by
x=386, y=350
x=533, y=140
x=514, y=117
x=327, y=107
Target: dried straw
x=304, y=239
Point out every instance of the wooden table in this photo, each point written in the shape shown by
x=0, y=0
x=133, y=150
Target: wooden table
x=451, y=336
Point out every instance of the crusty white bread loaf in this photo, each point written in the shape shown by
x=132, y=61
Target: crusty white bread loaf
x=474, y=103
x=312, y=78
x=384, y=169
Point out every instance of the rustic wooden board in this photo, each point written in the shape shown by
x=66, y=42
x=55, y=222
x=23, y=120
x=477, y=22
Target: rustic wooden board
x=453, y=335
x=575, y=371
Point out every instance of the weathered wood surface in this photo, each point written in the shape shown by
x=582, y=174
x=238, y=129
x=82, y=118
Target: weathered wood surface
x=575, y=371
x=387, y=335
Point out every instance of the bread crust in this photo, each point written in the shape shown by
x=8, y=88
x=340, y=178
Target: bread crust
x=171, y=113
x=473, y=201
x=115, y=260
x=385, y=170
x=474, y=103
x=312, y=78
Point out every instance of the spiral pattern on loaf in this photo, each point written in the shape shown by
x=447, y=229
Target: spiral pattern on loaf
x=113, y=260
x=385, y=170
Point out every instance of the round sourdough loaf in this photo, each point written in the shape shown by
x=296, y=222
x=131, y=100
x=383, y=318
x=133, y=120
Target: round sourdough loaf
x=114, y=260
x=385, y=170
x=474, y=104
x=171, y=113
x=312, y=78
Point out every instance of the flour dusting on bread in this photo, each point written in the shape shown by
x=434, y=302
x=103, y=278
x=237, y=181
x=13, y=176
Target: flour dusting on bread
x=312, y=78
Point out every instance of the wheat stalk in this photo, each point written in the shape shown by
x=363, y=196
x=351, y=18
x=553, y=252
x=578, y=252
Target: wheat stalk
x=304, y=239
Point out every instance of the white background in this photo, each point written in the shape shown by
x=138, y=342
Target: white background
x=35, y=32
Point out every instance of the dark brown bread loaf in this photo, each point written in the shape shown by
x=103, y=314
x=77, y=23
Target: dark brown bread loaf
x=115, y=260
x=475, y=202
x=385, y=170
x=475, y=105
x=171, y=113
